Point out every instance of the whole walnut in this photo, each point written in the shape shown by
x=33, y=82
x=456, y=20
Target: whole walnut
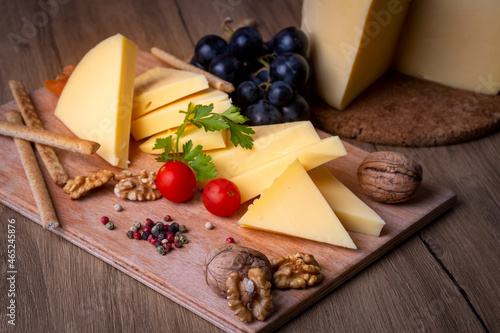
x=228, y=258
x=389, y=177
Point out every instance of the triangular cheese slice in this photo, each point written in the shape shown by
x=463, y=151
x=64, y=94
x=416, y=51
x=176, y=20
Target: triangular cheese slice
x=294, y=206
x=96, y=103
x=354, y=214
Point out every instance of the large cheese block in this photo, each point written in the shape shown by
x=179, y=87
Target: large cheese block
x=354, y=214
x=168, y=116
x=294, y=206
x=198, y=136
x=455, y=43
x=96, y=103
x=352, y=44
x=270, y=142
x=253, y=182
x=160, y=86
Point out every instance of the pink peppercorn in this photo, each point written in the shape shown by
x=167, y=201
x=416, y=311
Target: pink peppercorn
x=177, y=244
x=104, y=219
x=149, y=223
x=146, y=229
x=167, y=218
x=170, y=237
x=137, y=235
x=167, y=246
x=230, y=240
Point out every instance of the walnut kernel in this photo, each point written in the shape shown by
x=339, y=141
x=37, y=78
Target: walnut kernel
x=141, y=187
x=296, y=271
x=81, y=184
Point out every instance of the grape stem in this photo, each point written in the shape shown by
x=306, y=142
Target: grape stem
x=225, y=26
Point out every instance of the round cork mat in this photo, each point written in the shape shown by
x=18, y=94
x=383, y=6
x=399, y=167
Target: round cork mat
x=399, y=110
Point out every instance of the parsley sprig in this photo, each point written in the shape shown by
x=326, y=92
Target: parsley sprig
x=202, y=116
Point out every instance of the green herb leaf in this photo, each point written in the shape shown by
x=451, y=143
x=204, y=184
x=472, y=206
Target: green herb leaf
x=188, y=153
x=233, y=114
x=203, y=166
x=240, y=135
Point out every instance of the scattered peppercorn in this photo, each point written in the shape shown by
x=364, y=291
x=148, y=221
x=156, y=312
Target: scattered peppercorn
x=118, y=207
x=146, y=229
x=167, y=246
x=110, y=225
x=163, y=241
x=173, y=227
x=209, y=225
x=178, y=244
x=130, y=234
x=137, y=225
x=160, y=226
x=145, y=235
x=149, y=223
x=167, y=218
x=170, y=238
x=162, y=235
x=150, y=237
x=104, y=219
x=157, y=243
x=230, y=240
x=161, y=250
x=182, y=228
x=137, y=235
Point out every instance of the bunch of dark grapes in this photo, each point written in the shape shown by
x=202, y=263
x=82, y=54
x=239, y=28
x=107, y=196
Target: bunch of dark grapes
x=267, y=75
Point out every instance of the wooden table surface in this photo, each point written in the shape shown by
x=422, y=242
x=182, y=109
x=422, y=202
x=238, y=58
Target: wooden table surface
x=443, y=279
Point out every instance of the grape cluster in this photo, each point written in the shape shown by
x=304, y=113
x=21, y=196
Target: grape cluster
x=267, y=75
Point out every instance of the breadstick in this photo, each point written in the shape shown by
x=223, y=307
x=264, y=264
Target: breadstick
x=49, y=157
x=35, y=177
x=213, y=81
x=48, y=138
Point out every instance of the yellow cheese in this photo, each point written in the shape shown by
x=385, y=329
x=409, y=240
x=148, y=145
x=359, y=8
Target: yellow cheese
x=455, y=43
x=168, y=116
x=96, y=103
x=352, y=43
x=354, y=214
x=270, y=142
x=294, y=206
x=209, y=140
x=160, y=86
x=255, y=181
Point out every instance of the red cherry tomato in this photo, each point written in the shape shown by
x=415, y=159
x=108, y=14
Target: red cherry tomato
x=176, y=181
x=221, y=197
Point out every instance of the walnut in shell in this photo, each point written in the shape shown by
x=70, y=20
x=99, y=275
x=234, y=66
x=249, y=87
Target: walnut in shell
x=389, y=177
x=229, y=258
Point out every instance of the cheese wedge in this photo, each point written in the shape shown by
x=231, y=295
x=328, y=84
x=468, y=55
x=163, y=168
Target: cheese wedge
x=270, y=143
x=455, y=43
x=294, y=206
x=96, y=103
x=354, y=214
x=208, y=140
x=160, y=86
x=255, y=181
x=168, y=116
x=352, y=44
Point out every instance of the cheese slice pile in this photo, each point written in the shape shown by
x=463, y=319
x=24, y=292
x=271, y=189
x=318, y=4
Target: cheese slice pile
x=294, y=206
x=96, y=103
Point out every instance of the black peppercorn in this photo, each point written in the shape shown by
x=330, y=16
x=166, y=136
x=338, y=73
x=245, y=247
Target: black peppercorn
x=160, y=226
x=130, y=234
x=155, y=233
x=162, y=235
x=173, y=227
x=157, y=243
x=145, y=235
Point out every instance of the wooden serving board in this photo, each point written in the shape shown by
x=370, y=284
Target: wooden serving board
x=179, y=275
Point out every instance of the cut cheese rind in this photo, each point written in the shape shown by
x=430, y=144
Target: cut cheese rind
x=198, y=136
x=455, y=43
x=294, y=206
x=168, y=116
x=96, y=103
x=160, y=86
x=270, y=142
x=354, y=214
x=253, y=182
x=352, y=44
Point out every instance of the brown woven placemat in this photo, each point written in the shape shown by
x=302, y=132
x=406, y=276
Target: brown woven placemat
x=399, y=110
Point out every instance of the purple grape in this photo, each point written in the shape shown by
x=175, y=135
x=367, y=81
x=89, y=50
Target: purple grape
x=296, y=110
x=263, y=113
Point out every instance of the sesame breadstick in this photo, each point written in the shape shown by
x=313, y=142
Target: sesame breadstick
x=48, y=155
x=48, y=138
x=35, y=177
